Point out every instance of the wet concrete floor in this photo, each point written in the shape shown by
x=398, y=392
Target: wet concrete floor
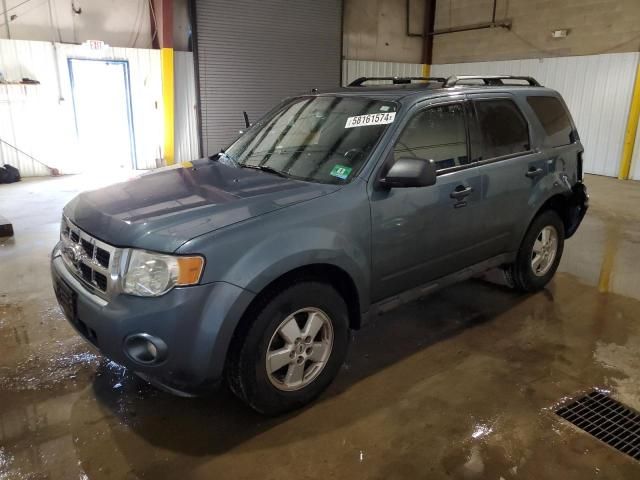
x=461, y=384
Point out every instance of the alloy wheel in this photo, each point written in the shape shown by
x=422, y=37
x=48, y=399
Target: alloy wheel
x=299, y=349
x=544, y=250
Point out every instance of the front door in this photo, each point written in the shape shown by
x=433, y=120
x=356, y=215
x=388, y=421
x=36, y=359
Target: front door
x=419, y=234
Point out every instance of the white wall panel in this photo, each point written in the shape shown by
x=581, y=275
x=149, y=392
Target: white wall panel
x=40, y=119
x=32, y=116
x=186, y=118
x=597, y=89
x=352, y=69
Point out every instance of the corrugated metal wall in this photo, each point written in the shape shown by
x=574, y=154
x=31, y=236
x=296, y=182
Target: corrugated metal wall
x=254, y=53
x=39, y=119
x=352, y=69
x=597, y=89
x=186, y=114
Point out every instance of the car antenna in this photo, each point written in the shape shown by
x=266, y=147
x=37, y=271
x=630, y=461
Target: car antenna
x=246, y=119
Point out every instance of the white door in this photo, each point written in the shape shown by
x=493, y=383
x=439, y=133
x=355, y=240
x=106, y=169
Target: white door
x=102, y=106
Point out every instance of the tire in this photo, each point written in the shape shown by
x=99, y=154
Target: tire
x=273, y=392
x=521, y=273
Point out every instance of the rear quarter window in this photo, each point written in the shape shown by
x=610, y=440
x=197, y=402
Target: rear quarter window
x=554, y=119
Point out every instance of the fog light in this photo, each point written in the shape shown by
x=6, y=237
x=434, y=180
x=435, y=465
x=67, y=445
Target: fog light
x=145, y=349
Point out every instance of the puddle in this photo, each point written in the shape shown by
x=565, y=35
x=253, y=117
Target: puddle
x=55, y=365
x=478, y=460
x=624, y=361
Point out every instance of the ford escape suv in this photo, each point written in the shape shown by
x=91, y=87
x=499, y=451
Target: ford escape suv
x=253, y=265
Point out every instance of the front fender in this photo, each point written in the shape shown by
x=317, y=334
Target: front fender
x=334, y=230
x=288, y=250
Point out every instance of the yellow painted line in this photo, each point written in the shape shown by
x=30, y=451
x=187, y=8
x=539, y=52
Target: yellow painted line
x=166, y=56
x=608, y=260
x=632, y=128
x=426, y=69
x=604, y=280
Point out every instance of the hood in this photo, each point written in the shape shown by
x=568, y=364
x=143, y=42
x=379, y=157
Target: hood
x=164, y=209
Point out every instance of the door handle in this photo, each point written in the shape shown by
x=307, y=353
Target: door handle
x=534, y=172
x=460, y=192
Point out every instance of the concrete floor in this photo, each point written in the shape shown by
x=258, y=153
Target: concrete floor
x=461, y=384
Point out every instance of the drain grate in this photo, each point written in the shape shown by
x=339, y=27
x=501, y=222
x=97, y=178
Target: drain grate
x=607, y=420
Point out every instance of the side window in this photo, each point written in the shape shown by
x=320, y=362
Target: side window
x=554, y=120
x=503, y=129
x=438, y=134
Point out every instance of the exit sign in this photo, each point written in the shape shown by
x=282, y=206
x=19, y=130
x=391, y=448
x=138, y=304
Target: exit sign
x=95, y=44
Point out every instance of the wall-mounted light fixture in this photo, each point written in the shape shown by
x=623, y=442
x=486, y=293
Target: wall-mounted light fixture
x=560, y=33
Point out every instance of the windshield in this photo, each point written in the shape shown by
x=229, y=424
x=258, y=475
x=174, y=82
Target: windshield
x=319, y=139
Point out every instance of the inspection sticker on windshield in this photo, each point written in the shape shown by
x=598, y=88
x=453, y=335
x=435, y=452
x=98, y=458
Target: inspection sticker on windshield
x=370, y=119
x=341, y=171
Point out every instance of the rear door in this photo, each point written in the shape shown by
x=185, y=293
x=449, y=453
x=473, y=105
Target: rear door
x=509, y=166
x=419, y=234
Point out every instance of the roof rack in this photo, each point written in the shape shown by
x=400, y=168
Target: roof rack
x=493, y=80
x=358, y=82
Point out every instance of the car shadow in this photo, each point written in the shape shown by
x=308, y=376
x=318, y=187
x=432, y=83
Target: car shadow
x=194, y=428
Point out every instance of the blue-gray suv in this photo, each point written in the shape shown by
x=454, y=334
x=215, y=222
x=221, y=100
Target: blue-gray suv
x=252, y=265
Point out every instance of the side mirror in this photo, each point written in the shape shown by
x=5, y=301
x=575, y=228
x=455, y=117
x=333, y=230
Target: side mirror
x=410, y=172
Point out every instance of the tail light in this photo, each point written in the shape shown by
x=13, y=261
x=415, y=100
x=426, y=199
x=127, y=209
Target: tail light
x=579, y=167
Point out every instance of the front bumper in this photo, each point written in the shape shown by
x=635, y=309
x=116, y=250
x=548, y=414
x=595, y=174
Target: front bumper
x=196, y=324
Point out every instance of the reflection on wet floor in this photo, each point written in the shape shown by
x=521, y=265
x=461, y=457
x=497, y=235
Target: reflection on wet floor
x=462, y=384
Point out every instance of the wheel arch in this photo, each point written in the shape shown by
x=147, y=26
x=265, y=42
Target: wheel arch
x=328, y=273
x=324, y=272
x=558, y=203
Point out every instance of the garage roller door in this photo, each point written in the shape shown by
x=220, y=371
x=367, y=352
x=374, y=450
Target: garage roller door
x=253, y=53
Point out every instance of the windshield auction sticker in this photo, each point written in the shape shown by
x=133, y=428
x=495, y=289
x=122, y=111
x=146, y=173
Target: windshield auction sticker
x=370, y=119
x=341, y=171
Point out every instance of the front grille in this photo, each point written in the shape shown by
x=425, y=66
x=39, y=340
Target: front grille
x=607, y=420
x=103, y=257
x=86, y=272
x=87, y=247
x=88, y=258
x=101, y=280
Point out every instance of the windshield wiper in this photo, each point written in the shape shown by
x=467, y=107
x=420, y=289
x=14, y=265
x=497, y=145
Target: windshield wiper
x=265, y=168
x=223, y=158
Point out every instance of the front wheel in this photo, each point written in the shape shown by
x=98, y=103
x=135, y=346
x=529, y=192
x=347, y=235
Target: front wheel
x=292, y=350
x=539, y=254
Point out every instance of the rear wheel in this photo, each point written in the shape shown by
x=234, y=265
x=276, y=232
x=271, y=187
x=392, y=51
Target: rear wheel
x=539, y=254
x=292, y=350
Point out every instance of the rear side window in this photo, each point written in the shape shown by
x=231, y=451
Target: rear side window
x=503, y=129
x=554, y=119
x=437, y=133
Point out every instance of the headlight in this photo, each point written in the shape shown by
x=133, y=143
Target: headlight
x=152, y=274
